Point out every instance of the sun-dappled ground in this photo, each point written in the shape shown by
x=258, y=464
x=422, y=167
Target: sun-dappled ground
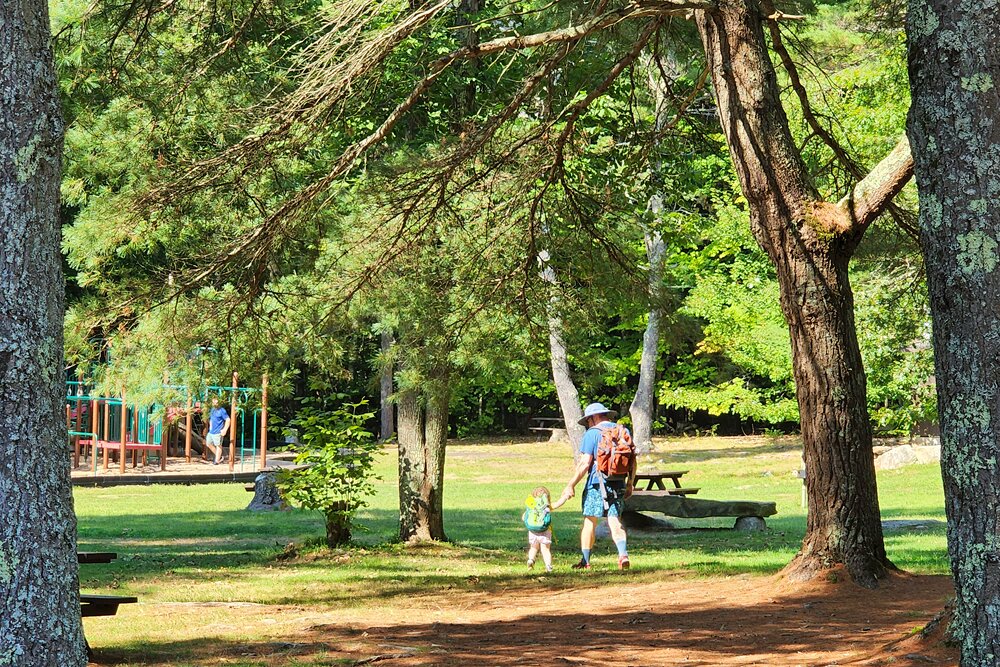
x=220, y=586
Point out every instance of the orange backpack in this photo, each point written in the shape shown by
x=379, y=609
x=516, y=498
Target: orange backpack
x=615, y=452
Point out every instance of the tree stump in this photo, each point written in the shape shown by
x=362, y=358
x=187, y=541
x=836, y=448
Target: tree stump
x=266, y=496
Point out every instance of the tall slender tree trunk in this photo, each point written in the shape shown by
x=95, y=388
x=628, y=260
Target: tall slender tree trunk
x=422, y=436
x=387, y=414
x=954, y=132
x=562, y=377
x=39, y=587
x=641, y=409
x=810, y=245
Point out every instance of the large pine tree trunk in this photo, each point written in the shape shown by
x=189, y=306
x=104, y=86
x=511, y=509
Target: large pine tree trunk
x=810, y=247
x=422, y=435
x=39, y=588
x=954, y=133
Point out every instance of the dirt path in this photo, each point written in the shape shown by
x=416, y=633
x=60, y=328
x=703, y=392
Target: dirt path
x=741, y=621
x=731, y=621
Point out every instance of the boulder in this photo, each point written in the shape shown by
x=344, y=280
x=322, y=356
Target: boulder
x=905, y=455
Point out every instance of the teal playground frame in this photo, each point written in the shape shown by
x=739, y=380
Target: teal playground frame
x=104, y=424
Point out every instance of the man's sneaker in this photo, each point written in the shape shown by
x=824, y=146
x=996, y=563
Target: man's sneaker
x=582, y=565
x=623, y=562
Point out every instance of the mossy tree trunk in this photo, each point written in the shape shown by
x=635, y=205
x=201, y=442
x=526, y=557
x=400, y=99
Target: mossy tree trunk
x=810, y=243
x=39, y=588
x=954, y=75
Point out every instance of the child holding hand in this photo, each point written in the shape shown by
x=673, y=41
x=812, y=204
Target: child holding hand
x=538, y=520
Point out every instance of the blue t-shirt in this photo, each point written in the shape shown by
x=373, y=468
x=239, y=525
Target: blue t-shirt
x=217, y=419
x=588, y=445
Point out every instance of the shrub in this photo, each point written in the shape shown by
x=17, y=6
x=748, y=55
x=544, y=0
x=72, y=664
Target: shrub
x=336, y=454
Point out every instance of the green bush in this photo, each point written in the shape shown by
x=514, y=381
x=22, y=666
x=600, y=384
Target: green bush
x=336, y=454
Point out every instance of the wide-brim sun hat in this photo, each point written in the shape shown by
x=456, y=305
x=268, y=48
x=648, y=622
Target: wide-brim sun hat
x=596, y=409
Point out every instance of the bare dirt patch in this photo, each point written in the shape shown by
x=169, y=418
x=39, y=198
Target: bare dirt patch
x=742, y=620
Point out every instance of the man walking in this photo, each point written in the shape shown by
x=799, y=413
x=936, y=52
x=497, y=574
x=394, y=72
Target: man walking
x=603, y=496
x=218, y=426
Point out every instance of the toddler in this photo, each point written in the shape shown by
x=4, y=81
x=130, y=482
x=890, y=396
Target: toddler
x=538, y=520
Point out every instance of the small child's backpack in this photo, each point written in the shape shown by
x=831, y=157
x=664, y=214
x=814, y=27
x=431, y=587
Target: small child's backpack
x=615, y=452
x=538, y=517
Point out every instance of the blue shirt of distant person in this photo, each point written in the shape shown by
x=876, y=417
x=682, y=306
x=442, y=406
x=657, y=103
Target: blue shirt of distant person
x=218, y=424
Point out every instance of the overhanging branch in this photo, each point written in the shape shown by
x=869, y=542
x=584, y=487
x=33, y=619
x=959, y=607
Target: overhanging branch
x=874, y=193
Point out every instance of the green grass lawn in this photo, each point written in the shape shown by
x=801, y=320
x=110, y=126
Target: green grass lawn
x=196, y=543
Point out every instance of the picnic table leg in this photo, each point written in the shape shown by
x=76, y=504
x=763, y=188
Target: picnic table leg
x=659, y=484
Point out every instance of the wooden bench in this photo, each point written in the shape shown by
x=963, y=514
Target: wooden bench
x=103, y=605
x=100, y=605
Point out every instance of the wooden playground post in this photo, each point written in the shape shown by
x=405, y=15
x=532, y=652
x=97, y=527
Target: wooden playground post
x=93, y=431
x=124, y=434
x=187, y=430
x=263, y=422
x=107, y=431
x=232, y=424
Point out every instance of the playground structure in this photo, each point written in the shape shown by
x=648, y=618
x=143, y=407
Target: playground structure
x=99, y=426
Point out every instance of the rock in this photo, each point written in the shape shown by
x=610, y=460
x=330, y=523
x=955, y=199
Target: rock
x=559, y=435
x=879, y=450
x=750, y=523
x=266, y=497
x=904, y=455
x=928, y=454
x=896, y=457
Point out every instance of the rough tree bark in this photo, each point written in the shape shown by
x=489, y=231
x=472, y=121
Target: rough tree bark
x=39, y=589
x=387, y=416
x=810, y=242
x=954, y=73
x=422, y=435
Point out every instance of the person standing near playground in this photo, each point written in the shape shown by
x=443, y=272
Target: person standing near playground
x=218, y=425
x=604, y=493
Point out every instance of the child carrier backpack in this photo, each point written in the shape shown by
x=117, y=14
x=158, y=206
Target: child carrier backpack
x=537, y=518
x=615, y=452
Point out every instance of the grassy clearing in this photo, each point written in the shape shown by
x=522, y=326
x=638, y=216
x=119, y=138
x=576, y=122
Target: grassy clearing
x=181, y=546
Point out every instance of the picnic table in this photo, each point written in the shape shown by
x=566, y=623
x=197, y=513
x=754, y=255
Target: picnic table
x=92, y=557
x=552, y=425
x=99, y=605
x=654, y=482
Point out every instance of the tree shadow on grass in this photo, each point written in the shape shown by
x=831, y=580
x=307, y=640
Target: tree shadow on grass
x=487, y=554
x=833, y=624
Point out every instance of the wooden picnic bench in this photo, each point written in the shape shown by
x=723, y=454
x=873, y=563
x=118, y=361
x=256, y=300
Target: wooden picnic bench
x=654, y=482
x=554, y=426
x=99, y=605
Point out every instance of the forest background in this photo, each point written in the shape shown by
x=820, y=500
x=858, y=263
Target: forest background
x=385, y=274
